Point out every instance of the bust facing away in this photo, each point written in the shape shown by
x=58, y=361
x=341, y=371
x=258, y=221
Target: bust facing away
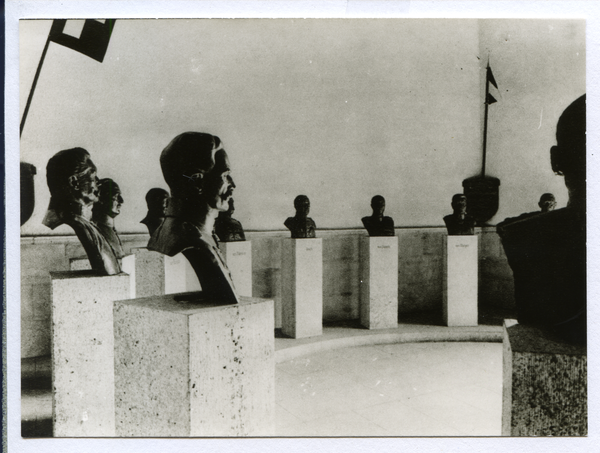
x=196, y=168
x=301, y=226
x=73, y=183
x=459, y=223
x=156, y=200
x=227, y=228
x=377, y=224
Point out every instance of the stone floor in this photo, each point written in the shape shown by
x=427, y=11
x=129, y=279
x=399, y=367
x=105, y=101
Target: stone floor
x=419, y=379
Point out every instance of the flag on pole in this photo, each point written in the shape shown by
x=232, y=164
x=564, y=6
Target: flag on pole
x=93, y=40
x=490, y=79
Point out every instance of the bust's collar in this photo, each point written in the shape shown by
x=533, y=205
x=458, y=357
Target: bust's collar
x=57, y=215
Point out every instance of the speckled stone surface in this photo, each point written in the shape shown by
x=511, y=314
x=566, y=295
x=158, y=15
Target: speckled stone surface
x=379, y=282
x=460, y=281
x=544, y=384
x=238, y=256
x=302, y=287
x=80, y=263
x=82, y=352
x=185, y=367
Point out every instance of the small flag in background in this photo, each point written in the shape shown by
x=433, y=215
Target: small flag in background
x=93, y=40
x=490, y=79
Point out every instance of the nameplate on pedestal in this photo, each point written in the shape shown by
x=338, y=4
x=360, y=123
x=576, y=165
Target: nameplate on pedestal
x=379, y=282
x=302, y=287
x=238, y=256
x=191, y=368
x=460, y=280
x=83, y=353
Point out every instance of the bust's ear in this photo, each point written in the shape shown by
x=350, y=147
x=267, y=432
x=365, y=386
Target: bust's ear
x=556, y=160
x=73, y=182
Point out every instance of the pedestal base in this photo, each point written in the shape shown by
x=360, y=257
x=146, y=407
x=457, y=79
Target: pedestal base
x=188, y=368
x=127, y=263
x=238, y=256
x=302, y=290
x=460, y=280
x=379, y=282
x=544, y=384
x=82, y=352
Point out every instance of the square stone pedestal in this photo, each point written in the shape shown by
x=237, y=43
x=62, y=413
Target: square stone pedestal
x=544, y=384
x=158, y=274
x=82, y=352
x=185, y=367
x=127, y=263
x=238, y=256
x=379, y=282
x=302, y=287
x=460, y=280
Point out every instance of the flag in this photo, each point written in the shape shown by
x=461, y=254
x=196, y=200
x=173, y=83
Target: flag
x=93, y=40
x=490, y=77
x=490, y=99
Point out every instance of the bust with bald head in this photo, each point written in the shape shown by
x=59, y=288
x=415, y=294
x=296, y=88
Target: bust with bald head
x=301, y=226
x=547, y=251
x=196, y=168
x=459, y=223
x=73, y=184
x=377, y=224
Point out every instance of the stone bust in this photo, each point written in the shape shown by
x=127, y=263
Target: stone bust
x=459, y=223
x=227, y=228
x=156, y=200
x=547, y=202
x=301, y=225
x=104, y=212
x=73, y=184
x=377, y=224
x=196, y=168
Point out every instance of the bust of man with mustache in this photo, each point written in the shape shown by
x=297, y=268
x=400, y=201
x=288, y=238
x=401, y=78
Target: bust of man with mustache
x=196, y=168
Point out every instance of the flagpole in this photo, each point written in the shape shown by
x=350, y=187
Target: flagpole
x=35, y=79
x=485, y=119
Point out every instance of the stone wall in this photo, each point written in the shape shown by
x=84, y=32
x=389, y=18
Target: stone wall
x=419, y=274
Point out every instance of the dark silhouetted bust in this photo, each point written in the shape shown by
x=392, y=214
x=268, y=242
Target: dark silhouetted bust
x=301, y=225
x=196, y=168
x=547, y=202
x=377, y=224
x=156, y=200
x=459, y=223
x=73, y=184
x=227, y=228
x=104, y=212
x=547, y=251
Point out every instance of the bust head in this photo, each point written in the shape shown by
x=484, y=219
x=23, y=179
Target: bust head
x=459, y=203
x=196, y=168
x=547, y=202
x=71, y=178
x=156, y=200
x=568, y=156
x=109, y=199
x=378, y=205
x=302, y=205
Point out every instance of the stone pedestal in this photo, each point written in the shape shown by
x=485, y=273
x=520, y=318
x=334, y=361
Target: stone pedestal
x=238, y=256
x=379, y=282
x=127, y=263
x=460, y=280
x=158, y=274
x=82, y=352
x=544, y=384
x=302, y=287
x=184, y=367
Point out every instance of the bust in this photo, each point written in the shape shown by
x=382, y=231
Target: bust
x=73, y=184
x=547, y=202
x=547, y=251
x=227, y=228
x=104, y=212
x=196, y=168
x=156, y=200
x=459, y=223
x=377, y=224
x=301, y=225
